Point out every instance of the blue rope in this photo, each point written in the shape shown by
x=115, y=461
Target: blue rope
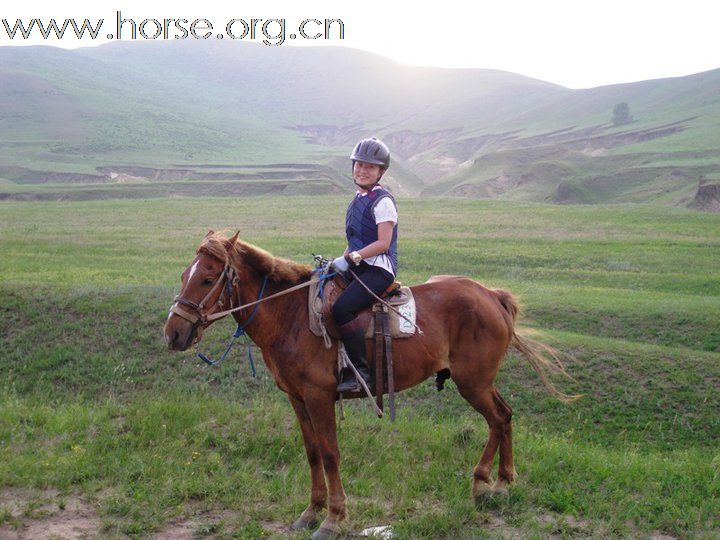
x=239, y=332
x=322, y=277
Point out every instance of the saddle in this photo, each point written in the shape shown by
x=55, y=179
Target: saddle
x=382, y=325
x=401, y=298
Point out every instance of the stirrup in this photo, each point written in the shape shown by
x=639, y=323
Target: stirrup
x=349, y=386
x=348, y=382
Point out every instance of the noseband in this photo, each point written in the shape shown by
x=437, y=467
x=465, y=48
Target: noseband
x=228, y=278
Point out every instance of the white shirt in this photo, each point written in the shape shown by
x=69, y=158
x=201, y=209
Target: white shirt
x=384, y=211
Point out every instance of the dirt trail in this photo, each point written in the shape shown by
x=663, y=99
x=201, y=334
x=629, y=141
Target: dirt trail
x=31, y=515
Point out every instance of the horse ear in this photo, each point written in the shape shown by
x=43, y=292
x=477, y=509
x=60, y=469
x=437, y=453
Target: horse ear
x=210, y=231
x=234, y=238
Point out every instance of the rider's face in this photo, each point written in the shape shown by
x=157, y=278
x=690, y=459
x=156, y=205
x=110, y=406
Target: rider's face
x=366, y=174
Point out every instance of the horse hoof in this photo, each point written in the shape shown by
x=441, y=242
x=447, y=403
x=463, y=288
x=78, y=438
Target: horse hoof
x=484, y=499
x=302, y=524
x=324, y=533
x=490, y=496
x=500, y=490
x=481, y=490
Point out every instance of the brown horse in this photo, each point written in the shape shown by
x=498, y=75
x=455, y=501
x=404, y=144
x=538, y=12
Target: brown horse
x=467, y=330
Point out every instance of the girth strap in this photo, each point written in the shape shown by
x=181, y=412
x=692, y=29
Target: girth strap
x=390, y=374
x=383, y=351
x=379, y=342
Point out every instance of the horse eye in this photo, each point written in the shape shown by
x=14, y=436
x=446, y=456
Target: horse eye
x=208, y=281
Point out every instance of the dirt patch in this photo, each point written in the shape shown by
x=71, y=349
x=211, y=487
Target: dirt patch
x=408, y=143
x=707, y=197
x=444, y=164
x=179, y=530
x=276, y=528
x=499, y=185
x=28, y=515
x=200, y=525
x=126, y=178
x=498, y=528
x=562, y=526
x=467, y=190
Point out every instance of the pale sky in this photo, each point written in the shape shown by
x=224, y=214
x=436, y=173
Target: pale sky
x=579, y=44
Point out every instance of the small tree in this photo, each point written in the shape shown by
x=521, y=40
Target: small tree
x=621, y=114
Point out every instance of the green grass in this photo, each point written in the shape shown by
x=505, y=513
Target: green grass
x=92, y=405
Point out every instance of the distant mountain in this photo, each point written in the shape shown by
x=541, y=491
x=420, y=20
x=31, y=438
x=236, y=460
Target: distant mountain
x=189, y=117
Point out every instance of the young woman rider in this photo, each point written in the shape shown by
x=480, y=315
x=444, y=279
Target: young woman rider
x=371, y=228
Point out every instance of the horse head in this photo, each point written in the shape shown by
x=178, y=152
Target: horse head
x=208, y=285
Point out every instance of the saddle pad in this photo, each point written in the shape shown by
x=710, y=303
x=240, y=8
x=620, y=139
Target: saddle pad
x=315, y=309
x=399, y=327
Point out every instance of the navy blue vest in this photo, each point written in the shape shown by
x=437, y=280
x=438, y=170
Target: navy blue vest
x=360, y=227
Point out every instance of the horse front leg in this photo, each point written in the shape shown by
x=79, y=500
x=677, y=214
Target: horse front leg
x=321, y=409
x=318, y=495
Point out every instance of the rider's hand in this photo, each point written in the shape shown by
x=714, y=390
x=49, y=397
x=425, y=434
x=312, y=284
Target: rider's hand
x=340, y=264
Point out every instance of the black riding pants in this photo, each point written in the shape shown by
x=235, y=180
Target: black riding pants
x=355, y=298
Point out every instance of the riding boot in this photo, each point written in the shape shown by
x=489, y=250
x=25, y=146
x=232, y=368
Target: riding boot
x=353, y=337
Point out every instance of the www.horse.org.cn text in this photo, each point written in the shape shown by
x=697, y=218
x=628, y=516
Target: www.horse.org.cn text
x=270, y=31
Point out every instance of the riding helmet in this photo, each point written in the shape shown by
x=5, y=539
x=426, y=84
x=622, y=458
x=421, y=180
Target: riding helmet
x=371, y=150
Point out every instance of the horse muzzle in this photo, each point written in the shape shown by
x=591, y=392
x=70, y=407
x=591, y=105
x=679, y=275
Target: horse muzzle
x=181, y=335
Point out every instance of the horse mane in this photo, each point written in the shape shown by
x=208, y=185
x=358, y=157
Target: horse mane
x=237, y=252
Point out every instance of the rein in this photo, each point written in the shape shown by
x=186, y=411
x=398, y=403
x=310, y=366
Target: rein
x=228, y=273
x=221, y=314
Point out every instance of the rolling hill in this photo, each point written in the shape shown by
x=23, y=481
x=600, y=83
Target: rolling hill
x=212, y=118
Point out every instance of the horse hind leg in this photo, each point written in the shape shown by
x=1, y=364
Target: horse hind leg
x=506, y=467
x=497, y=413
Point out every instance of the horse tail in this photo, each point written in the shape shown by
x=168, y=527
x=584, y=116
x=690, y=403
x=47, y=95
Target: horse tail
x=543, y=358
x=510, y=302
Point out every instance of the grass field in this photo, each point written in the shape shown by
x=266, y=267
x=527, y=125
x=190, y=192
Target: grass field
x=99, y=423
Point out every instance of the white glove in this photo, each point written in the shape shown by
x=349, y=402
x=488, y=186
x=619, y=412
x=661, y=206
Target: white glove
x=340, y=264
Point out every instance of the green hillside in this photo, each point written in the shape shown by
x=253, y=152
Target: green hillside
x=82, y=117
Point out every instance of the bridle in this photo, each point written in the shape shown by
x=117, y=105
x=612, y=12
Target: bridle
x=228, y=278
